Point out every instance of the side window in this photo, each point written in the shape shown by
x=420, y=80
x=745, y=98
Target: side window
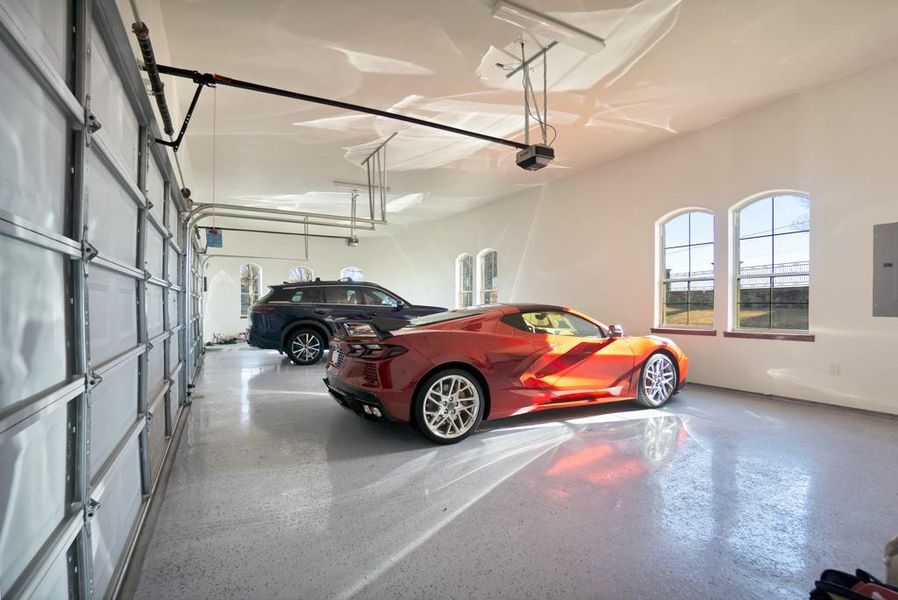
x=375, y=297
x=687, y=270
x=308, y=296
x=554, y=323
x=339, y=294
x=772, y=260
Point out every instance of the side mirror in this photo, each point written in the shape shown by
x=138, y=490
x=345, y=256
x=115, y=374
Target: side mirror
x=615, y=331
x=399, y=306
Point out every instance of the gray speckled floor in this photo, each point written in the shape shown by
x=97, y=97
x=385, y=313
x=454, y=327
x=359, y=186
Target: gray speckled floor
x=277, y=492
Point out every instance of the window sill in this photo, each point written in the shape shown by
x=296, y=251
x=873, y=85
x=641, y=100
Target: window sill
x=764, y=335
x=684, y=331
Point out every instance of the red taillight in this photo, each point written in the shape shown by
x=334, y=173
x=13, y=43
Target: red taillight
x=375, y=351
x=262, y=308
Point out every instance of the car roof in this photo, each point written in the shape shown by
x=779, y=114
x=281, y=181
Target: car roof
x=317, y=283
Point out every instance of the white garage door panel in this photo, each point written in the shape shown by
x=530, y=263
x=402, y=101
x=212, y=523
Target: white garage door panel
x=155, y=191
x=112, y=525
x=33, y=148
x=174, y=352
x=33, y=346
x=172, y=265
x=111, y=106
x=113, y=406
x=31, y=507
x=155, y=370
x=46, y=25
x=171, y=218
x=55, y=585
x=156, y=435
x=174, y=397
x=112, y=298
x=154, y=309
x=110, y=213
x=173, y=308
x=154, y=251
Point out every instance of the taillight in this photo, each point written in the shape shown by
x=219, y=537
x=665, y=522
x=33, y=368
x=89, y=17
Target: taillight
x=262, y=308
x=375, y=351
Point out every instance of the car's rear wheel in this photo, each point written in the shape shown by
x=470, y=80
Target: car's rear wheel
x=658, y=380
x=449, y=406
x=304, y=346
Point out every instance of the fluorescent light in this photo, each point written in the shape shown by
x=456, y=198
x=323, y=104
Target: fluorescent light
x=404, y=202
x=541, y=24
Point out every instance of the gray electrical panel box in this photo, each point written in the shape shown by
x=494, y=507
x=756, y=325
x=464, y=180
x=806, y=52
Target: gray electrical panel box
x=885, y=270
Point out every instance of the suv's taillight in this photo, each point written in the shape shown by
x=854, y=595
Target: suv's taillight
x=262, y=308
x=375, y=351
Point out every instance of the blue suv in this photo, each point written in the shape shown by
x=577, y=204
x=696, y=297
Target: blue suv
x=293, y=318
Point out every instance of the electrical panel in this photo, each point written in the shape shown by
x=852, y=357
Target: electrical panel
x=885, y=270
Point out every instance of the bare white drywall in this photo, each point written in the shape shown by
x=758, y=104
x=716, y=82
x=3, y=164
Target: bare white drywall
x=589, y=241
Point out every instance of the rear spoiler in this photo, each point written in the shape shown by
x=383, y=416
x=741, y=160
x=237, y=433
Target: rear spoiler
x=379, y=327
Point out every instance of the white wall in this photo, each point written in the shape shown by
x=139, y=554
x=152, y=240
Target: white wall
x=588, y=241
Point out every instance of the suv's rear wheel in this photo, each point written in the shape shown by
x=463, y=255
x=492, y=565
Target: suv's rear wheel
x=305, y=346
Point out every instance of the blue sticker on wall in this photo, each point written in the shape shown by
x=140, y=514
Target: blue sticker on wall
x=213, y=238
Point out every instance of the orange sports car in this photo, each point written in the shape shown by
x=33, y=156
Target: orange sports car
x=446, y=372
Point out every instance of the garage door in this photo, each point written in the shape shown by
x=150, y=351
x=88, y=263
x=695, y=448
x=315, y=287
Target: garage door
x=92, y=327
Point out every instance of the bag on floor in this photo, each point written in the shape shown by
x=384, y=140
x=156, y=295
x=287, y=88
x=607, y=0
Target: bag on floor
x=837, y=585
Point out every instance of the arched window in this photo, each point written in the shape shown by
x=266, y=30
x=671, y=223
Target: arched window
x=464, y=281
x=301, y=274
x=772, y=262
x=352, y=273
x=250, y=287
x=487, y=277
x=687, y=270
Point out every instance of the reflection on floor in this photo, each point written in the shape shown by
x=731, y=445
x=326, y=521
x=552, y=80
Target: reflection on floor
x=277, y=492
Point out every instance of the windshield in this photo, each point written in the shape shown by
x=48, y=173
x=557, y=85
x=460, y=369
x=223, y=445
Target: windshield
x=446, y=316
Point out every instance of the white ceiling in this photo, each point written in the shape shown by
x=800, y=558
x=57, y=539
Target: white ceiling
x=670, y=66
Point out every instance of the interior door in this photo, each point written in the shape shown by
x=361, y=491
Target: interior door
x=577, y=360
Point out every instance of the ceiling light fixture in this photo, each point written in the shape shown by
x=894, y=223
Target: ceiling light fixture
x=546, y=26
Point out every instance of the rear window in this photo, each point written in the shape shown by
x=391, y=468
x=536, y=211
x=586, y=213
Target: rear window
x=307, y=296
x=339, y=294
x=446, y=316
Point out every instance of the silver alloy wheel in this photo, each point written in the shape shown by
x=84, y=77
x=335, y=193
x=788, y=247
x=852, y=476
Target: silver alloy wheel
x=306, y=347
x=659, y=378
x=451, y=405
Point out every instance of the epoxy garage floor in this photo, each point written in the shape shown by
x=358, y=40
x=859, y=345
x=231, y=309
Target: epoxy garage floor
x=277, y=492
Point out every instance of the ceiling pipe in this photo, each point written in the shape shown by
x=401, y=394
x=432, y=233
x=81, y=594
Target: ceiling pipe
x=272, y=232
x=295, y=221
x=290, y=213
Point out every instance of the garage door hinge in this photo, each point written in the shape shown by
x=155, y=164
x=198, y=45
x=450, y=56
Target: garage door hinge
x=92, y=507
x=88, y=251
x=93, y=380
x=150, y=205
x=149, y=346
x=147, y=275
x=149, y=416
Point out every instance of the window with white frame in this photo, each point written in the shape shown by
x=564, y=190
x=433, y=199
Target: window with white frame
x=487, y=277
x=352, y=274
x=300, y=274
x=464, y=281
x=772, y=263
x=250, y=287
x=687, y=270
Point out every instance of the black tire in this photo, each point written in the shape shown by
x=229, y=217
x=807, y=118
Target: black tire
x=657, y=367
x=455, y=406
x=305, y=346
